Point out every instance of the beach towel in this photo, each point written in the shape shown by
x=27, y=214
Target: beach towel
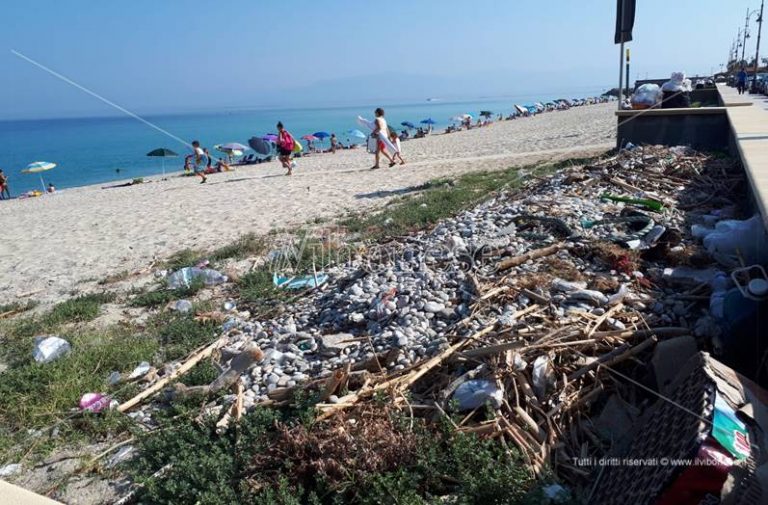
x=382, y=135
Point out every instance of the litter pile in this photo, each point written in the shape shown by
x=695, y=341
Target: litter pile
x=530, y=314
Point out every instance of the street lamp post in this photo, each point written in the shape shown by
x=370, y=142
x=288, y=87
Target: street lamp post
x=757, y=49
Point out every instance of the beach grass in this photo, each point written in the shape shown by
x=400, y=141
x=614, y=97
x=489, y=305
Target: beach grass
x=437, y=200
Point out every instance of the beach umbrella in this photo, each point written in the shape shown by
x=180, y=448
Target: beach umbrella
x=486, y=113
x=270, y=137
x=38, y=167
x=520, y=109
x=356, y=133
x=234, y=146
x=408, y=124
x=162, y=153
x=428, y=121
x=322, y=135
x=260, y=145
x=309, y=138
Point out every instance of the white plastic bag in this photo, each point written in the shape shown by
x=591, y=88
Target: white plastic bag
x=476, y=393
x=48, y=349
x=647, y=94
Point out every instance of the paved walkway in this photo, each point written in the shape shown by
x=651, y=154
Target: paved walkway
x=748, y=115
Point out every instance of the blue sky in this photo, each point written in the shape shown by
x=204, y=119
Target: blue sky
x=173, y=55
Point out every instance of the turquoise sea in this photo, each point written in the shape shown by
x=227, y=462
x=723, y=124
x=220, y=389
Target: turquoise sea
x=92, y=150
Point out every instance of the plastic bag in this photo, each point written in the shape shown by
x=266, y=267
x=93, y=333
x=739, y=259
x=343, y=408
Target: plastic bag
x=48, y=349
x=647, y=95
x=94, y=402
x=476, y=393
x=186, y=276
x=677, y=83
x=732, y=238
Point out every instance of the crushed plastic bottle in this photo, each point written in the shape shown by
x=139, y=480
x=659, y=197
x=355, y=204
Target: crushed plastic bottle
x=140, y=371
x=183, y=306
x=48, y=349
x=184, y=277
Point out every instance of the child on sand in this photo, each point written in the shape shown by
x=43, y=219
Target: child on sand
x=398, y=150
x=285, y=144
x=199, y=160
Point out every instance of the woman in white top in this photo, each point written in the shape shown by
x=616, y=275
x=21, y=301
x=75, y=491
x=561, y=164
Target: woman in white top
x=380, y=133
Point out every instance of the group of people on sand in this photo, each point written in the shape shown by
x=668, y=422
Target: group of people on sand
x=386, y=139
x=385, y=135
x=201, y=162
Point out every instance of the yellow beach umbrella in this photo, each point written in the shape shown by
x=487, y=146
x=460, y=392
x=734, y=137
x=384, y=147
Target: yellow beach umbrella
x=38, y=167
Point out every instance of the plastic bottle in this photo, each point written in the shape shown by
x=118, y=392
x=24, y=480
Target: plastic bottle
x=720, y=284
x=737, y=308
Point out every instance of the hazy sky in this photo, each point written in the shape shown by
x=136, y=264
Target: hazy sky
x=174, y=55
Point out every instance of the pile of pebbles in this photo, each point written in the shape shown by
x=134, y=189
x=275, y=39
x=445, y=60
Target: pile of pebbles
x=409, y=298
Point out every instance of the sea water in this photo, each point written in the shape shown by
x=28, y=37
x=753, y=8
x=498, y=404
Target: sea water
x=99, y=150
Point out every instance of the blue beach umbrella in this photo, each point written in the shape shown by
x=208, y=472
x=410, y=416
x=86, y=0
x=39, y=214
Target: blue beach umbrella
x=357, y=134
x=260, y=145
x=428, y=121
x=408, y=124
x=321, y=135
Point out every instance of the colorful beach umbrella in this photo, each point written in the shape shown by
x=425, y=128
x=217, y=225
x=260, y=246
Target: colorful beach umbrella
x=357, y=134
x=38, y=167
x=270, y=137
x=322, y=135
x=408, y=124
x=260, y=145
x=309, y=138
x=162, y=153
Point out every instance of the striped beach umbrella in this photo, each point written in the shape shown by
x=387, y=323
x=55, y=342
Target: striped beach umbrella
x=38, y=167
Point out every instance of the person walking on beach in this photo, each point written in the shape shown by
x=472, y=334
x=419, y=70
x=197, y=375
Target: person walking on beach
x=333, y=143
x=4, y=191
x=380, y=133
x=285, y=144
x=741, y=81
x=199, y=161
x=398, y=149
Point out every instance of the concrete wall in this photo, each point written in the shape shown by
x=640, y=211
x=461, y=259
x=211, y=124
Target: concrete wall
x=703, y=129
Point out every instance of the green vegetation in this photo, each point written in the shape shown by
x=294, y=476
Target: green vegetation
x=443, y=198
x=440, y=199
x=75, y=310
x=37, y=395
x=245, y=246
x=17, y=307
x=257, y=286
x=270, y=457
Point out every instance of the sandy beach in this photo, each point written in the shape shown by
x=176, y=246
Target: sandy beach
x=58, y=244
